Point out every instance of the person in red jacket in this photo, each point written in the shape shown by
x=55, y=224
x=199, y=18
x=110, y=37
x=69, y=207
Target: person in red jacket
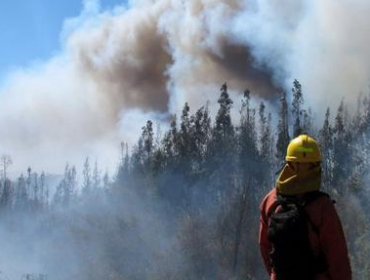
x=300, y=177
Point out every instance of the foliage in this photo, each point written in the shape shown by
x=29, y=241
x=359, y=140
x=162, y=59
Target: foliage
x=206, y=178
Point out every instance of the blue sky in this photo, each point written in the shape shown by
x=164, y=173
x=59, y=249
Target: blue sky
x=30, y=29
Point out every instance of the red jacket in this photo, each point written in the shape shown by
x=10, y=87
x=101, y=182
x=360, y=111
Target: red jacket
x=330, y=240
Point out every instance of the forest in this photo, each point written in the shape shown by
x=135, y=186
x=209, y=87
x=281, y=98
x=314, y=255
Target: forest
x=184, y=203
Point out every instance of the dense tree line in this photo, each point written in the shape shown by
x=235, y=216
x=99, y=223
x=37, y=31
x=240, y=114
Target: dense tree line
x=224, y=167
x=209, y=176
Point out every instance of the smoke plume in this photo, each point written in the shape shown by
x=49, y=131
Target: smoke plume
x=323, y=44
x=148, y=57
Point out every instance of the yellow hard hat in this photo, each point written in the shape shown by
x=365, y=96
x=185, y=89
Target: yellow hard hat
x=303, y=149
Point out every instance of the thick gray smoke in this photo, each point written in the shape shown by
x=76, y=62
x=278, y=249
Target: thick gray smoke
x=158, y=55
x=147, y=58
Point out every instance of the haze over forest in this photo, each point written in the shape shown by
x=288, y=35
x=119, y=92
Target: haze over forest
x=143, y=148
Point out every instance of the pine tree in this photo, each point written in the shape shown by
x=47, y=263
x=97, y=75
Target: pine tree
x=86, y=173
x=341, y=149
x=223, y=131
x=96, y=176
x=21, y=199
x=124, y=169
x=201, y=132
x=185, y=142
x=65, y=192
x=307, y=122
x=42, y=188
x=5, y=161
x=35, y=190
x=28, y=181
x=266, y=151
x=224, y=128
x=297, y=108
x=283, y=129
x=143, y=152
x=6, y=198
x=365, y=119
x=222, y=151
x=222, y=141
x=263, y=136
x=248, y=156
x=170, y=141
x=148, y=139
x=326, y=140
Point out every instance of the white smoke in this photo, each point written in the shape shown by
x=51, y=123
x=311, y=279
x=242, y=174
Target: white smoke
x=321, y=43
x=149, y=57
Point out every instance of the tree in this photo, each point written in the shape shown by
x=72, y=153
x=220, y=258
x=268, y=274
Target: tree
x=29, y=180
x=341, y=149
x=185, y=141
x=21, y=199
x=307, y=122
x=124, y=168
x=224, y=128
x=171, y=141
x=65, y=191
x=283, y=129
x=185, y=136
x=222, y=142
x=6, y=199
x=43, y=189
x=148, y=137
x=86, y=173
x=96, y=176
x=35, y=189
x=5, y=162
x=263, y=133
x=297, y=108
x=266, y=146
x=326, y=140
x=142, y=155
x=248, y=155
x=221, y=154
x=201, y=133
x=223, y=131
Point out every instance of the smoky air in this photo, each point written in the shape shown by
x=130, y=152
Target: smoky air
x=184, y=203
x=167, y=164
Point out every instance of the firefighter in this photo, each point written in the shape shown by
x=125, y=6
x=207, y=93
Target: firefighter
x=301, y=236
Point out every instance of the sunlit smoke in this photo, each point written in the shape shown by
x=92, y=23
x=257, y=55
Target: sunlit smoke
x=152, y=56
x=323, y=44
